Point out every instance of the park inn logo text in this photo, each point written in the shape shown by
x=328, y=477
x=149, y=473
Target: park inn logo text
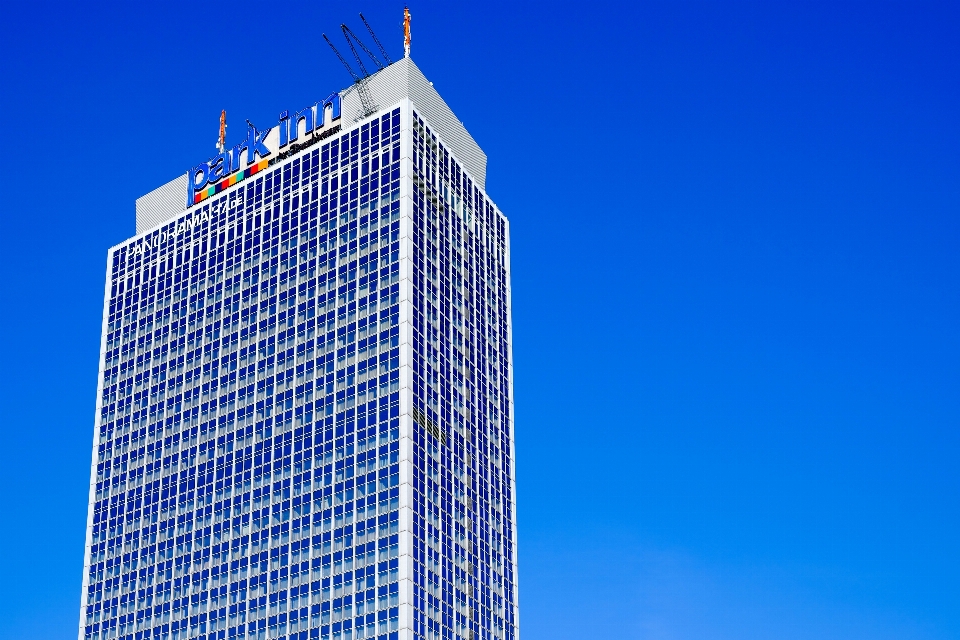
x=228, y=167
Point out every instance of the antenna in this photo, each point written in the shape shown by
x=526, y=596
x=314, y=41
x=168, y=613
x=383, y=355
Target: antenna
x=406, y=32
x=356, y=56
x=376, y=40
x=366, y=102
x=221, y=141
x=347, y=33
x=355, y=77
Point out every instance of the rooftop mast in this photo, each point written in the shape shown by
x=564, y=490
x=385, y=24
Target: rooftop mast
x=222, y=140
x=406, y=32
x=376, y=39
x=361, y=81
x=347, y=33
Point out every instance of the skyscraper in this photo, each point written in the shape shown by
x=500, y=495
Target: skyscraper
x=305, y=411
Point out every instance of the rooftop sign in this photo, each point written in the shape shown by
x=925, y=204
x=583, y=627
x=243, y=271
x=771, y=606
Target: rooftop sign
x=231, y=166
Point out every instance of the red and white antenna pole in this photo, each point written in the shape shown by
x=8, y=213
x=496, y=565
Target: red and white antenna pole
x=222, y=140
x=406, y=32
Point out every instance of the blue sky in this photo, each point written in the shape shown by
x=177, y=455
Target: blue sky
x=735, y=286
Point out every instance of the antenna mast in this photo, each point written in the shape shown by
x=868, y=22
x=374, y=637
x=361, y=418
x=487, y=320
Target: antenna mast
x=356, y=56
x=222, y=140
x=406, y=32
x=355, y=77
x=376, y=40
x=366, y=102
x=348, y=34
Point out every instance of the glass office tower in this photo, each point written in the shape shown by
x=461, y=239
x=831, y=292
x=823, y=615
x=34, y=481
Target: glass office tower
x=305, y=411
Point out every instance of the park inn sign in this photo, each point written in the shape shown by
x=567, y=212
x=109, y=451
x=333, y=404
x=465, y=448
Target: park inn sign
x=245, y=159
x=230, y=166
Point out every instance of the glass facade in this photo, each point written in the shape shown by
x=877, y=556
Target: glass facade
x=464, y=535
x=304, y=421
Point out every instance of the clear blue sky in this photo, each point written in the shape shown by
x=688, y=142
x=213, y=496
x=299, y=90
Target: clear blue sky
x=736, y=258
